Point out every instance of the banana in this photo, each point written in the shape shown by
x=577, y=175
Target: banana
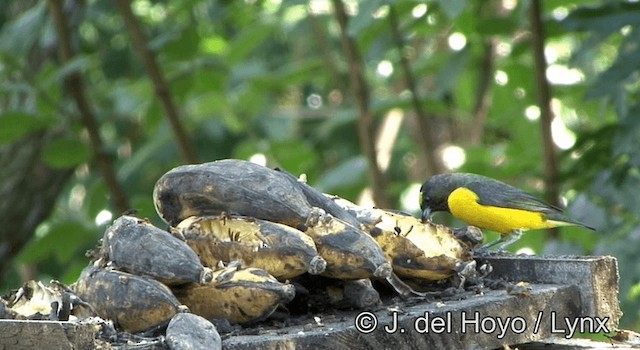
x=231, y=186
x=134, y=245
x=134, y=303
x=416, y=250
x=240, y=295
x=282, y=251
x=349, y=252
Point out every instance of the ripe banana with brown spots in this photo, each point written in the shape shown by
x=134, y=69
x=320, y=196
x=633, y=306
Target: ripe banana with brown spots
x=282, y=251
x=240, y=295
x=416, y=250
x=349, y=252
x=134, y=303
x=134, y=245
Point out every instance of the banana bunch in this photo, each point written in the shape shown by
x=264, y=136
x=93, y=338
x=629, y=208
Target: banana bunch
x=244, y=188
x=239, y=233
x=240, y=295
x=282, y=251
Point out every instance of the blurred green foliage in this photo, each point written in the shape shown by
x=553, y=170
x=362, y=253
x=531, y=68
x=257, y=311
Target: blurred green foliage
x=269, y=77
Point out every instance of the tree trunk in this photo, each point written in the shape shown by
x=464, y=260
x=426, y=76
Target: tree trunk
x=29, y=190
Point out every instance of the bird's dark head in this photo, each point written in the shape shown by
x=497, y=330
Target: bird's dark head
x=435, y=192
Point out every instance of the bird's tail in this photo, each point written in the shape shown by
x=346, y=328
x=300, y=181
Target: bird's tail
x=563, y=220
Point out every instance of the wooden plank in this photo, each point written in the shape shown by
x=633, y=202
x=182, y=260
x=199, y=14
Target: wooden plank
x=596, y=277
x=55, y=335
x=480, y=321
x=566, y=292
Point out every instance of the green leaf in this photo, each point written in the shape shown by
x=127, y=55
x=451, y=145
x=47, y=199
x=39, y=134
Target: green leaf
x=497, y=26
x=452, y=8
x=247, y=41
x=347, y=174
x=60, y=241
x=449, y=74
x=364, y=18
x=296, y=157
x=16, y=124
x=627, y=62
x=606, y=18
x=66, y=152
x=19, y=36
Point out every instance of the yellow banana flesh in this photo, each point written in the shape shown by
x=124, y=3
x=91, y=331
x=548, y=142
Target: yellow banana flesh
x=282, y=251
x=240, y=295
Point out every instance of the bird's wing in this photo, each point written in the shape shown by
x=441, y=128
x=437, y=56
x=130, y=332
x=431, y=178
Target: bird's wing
x=494, y=193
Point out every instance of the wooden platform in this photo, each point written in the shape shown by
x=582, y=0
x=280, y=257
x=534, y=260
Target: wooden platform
x=567, y=294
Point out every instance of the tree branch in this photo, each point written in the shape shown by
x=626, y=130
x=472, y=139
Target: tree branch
x=75, y=86
x=427, y=139
x=159, y=83
x=483, y=96
x=320, y=38
x=544, y=102
x=361, y=93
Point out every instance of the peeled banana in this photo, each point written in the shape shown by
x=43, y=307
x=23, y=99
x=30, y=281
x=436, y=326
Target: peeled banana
x=349, y=252
x=134, y=245
x=282, y=251
x=415, y=249
x=240, y=295
x=134, y=303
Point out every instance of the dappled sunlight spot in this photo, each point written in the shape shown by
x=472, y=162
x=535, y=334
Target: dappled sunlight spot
x=550, y=54
x=293, y=14
x=453, y=157
x=314, y=101
x=432, y=20
x=419, y=10
x=559, y=13
x=76, y=197
x=457, y=41
x=558, y=74
x=532, y=113
x=562, y=137
x=503, y=49
x=410, y=198
x=381, y=12
x=155, y=12
x=103, y=217
x=526, y=251
x=384, y=69
x=387, y=137
x=214, y=45
x=258, y=158
x=509, y=4
x=319, y=7
x=365, y=199
x=42, y=230
x=272, y=6
x=501, y=77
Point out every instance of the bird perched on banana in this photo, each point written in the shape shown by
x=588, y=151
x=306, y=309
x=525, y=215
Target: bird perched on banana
x=490, y=204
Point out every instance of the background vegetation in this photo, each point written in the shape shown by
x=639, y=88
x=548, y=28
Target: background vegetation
x=99, y=98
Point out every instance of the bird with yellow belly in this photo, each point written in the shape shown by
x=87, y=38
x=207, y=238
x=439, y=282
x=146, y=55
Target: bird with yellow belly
x=490, y=204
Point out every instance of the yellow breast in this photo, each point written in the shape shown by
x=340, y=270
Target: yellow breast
x=463, y=204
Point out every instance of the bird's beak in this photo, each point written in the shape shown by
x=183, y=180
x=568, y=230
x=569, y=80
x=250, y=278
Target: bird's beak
x=426, y=214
